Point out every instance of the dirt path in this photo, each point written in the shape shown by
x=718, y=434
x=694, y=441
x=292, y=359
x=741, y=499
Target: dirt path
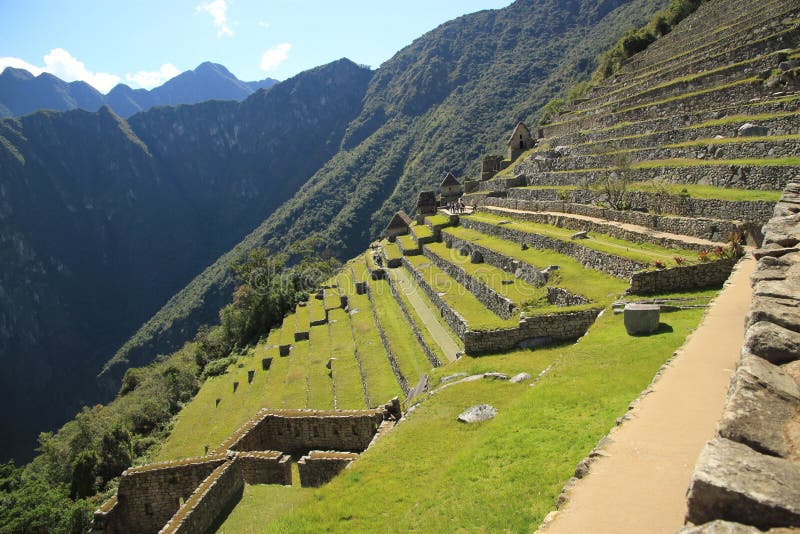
x=627, y=226
x=439, y=332
x=639, y=484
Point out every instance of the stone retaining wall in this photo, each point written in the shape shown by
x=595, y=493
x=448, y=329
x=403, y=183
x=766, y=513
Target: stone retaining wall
x=602, y=228
x=296, y=431
x=451, y=317
x=495, y=302
x=320, y=467
x=401, y=380
x=417, y=334
x=265, y=467
x=750, y=472
x=524, y=271
x=684, y=278
x=608, y=263
x=218, y=493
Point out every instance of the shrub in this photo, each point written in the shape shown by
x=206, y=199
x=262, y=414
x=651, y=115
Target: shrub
x=679, y=260
x=218, y=367
x=703, y=256
x=658, y=264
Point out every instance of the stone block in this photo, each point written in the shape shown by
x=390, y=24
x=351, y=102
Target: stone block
x=641, y=318
x=749, y=129
x=477, y=414
x=783, y=312
x=772, y=342
x=762, y=400
x=733, y=482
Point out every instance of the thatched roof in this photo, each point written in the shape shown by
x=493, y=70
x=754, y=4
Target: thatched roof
x=400, y=220
x=449, y=180
x=518, y=129
x=426, y=198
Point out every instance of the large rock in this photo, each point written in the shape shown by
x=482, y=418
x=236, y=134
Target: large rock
x=772, y=342
x=733, y=482
x=783, y=231
x=783, y=312
x=521, y=377
x=641, y=318
x=762, y=400
x=477, y=414
x=771, y=268
x=720, y=527
x=749, y=129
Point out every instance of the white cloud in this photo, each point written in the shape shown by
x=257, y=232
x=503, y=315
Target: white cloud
x=150, y=79
x=218, y=9
x=61, y=63
x=275, y=56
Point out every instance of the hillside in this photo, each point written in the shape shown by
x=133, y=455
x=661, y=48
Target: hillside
x=22, y=93
x=103, y=219
x=436, y=105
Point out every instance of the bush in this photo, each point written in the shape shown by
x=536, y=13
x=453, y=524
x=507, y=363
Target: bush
x=218, y=367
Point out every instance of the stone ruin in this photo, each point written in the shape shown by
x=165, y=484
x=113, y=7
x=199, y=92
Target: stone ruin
x=747, y=479
x=191, y=495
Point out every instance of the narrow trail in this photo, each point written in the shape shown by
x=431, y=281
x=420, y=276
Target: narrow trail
x=403, y=280
x=627, y=226
x=639, y=482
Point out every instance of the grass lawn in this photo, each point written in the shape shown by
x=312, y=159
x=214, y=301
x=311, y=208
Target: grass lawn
x=296, y=383
x=392, y=251
x=301, y=318
x=317, y=311
x=457, y=296
x=518, y=461
x=640, y=252
x=420, y=231
x=287, y=330
x=694, y=191
x=331, y=299
x=734, y=140
x=346, y=375
x=437, y=220
x=261, y=500
x=597, y=286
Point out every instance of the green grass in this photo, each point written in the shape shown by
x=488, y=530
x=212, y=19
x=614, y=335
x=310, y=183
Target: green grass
x=691, y=162
x=519, y=461
x=295, y=385
x=734, y=140
x=201, y=422
x=597, y=286
x=471, y=309
x=690, y=94
x=346, y=375
x=287, y=330
x=516, y=290
x=320, y=389
x=712, y=192
x=640, y=252
x=420, y=231
x=392, y=251
x=741, y=119
x=437, y=220
x=301, y=317
x=331, y=299
x=409, y=354
x=281, y=500
x=407, y=244
x=381, y=382
x=317, y=311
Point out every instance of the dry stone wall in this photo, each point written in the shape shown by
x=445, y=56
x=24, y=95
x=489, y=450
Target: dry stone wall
x=750, y=472
x=684, y=278
x=265, y=467
x=299, y=431
x=523, y=271
x=417, y=334
x=613, y=265
x=320, y=467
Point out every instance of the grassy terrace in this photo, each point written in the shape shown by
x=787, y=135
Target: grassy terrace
x=201, y=422
x=381, y=382
x=407, y=243
x=641, y=252
x=301, y=318
x=320, y=388
x=346, y=375
x=519, y=461
x=409, y=354
x=287, y=330
x=331, y=299
x=317, y=311
x=391, y=250
x=295, y=386
x=516, y=290
x=693, y=190
x=734, y=140
x=437, y=220
x=457, y=296
x=597, y=286
x=420, y=231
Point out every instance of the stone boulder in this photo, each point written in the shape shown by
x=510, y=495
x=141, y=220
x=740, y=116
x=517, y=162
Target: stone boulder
x=762, y=401
x=478, y=414
x=749, y=129
x=772, y=342
x=641, y=318
x=783, y=312
x=580, y=235
x=733, y=482
x=495, y=376
x=521, y=377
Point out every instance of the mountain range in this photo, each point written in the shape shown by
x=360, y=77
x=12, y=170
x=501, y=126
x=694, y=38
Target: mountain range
x=22, y=93
x=115, y=229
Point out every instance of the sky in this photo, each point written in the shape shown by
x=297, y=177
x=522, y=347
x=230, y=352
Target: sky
x=143, y=43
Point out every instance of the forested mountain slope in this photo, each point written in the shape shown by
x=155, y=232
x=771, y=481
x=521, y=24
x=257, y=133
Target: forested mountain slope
x=102, y=220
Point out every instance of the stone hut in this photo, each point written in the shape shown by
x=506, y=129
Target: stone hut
x=399, y=225
x=426, y=205
x=520, y=141
x=491, y=165
x=451, y=188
